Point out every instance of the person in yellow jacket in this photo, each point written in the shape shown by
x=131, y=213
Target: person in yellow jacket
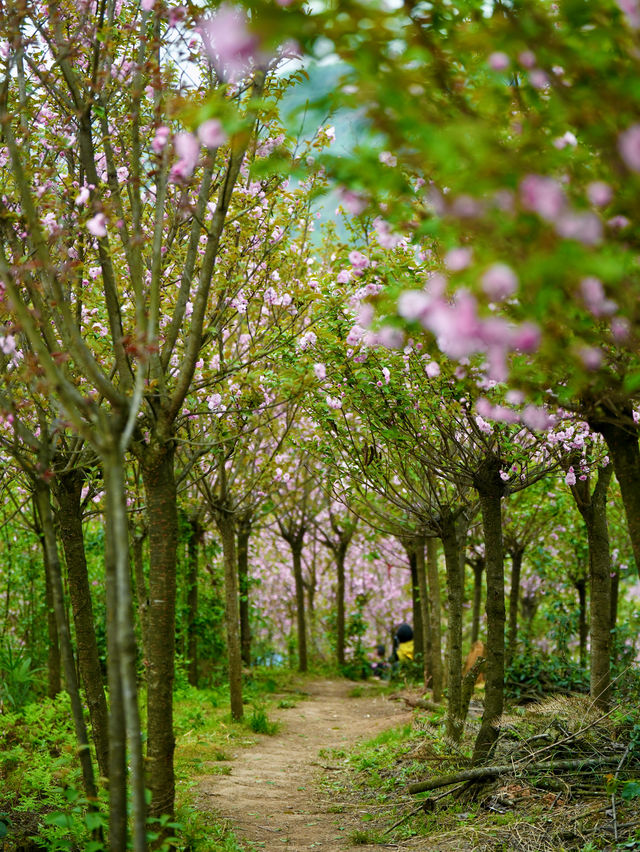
x=403, y=644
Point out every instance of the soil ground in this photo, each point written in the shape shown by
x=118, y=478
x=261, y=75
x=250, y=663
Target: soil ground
x=272, y=796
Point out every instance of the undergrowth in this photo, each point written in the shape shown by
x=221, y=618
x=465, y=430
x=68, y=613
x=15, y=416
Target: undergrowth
x=41, y=803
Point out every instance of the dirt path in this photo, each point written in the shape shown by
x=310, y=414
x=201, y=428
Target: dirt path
x=272, y=798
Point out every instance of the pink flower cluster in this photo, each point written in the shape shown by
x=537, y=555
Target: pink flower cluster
x=544, y=196
x=461, y=332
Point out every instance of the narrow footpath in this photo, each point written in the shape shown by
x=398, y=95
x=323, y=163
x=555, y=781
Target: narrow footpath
x=272, y=797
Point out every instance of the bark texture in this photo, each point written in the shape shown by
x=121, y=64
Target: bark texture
x=516, y=554
x=68, y=492
x=454, y=630
x=243, y=536
x=43, y=503
x=490, y=489
x=157, y=465
x=593, y=508
x=193, y=549
x=226, y=528
x=620, y=432
x=435, y=609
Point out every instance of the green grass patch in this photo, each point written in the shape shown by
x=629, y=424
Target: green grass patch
x=260, y=723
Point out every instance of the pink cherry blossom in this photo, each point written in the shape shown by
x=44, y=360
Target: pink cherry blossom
x=570, y=478
x=526, y=337
x=159, y=141
x=499, y=282
x=629, y=147
x=599, y=193
x=536, y=418
x=353, y=202
x=147, y=5
x=82, y=197
x=499, y=61
x=542, y=195
x=188, y=149
x=232, y=48
x=584, y=227
x=320, y=371
x=211, y=133
x=386, y=239
x=591, y=357
x=458, y=258
x=594, y=297
x=527, y=59
x=97, y=225
x=358, y=261
x=631, y=10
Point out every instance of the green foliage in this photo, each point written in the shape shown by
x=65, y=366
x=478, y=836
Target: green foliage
x=259, y=722
x=533, y=674
x=18, y=677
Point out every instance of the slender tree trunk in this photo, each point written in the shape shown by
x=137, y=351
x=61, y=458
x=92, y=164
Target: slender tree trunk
x=622, y=441
x=296, y=552
x=615, y=590
x=593, y=508
x=226, y=527
x=54, y=673
x=142, y=595
x=490, y=490
x=193, y=548
x=420, y=544
x=478, y=571
x=583, y=629
x=454, y=629
x=514, y=599
x=341, y=553
x=157, y=465
x=244, y=534
x=416, y=606
x=68, y=492
x=43, y=502
x=123, y=665
x=436, y=618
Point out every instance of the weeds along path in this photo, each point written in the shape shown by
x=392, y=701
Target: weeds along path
x=272, y=796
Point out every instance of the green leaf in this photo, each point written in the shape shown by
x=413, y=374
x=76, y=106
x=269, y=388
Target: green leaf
x=60, y=819
x=631, y=790
x=94, y=820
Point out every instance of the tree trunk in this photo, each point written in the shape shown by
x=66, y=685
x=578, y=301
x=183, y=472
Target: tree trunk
x=244, y=534
x=122, y=665
x=340, y=614
x=593, y=508
x=68, y=492
x=583, y=630
x=615, y=590
x=622, y=441
x=454, y=627
x=162, y=517
x=193, y=545
x=142, y=595
x=420, y=544
x=43, y=503
x=226, y=527
x=435, y=619
x=411, y=547
x=478, y=571
x=54, y=673
x=296, y=552
x=490, y=490
x=514, y=599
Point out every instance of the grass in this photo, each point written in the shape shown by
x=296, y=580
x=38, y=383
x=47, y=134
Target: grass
x=260, y=724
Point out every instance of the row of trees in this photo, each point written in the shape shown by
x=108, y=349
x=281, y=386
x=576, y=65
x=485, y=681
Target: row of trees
x=167, y=318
